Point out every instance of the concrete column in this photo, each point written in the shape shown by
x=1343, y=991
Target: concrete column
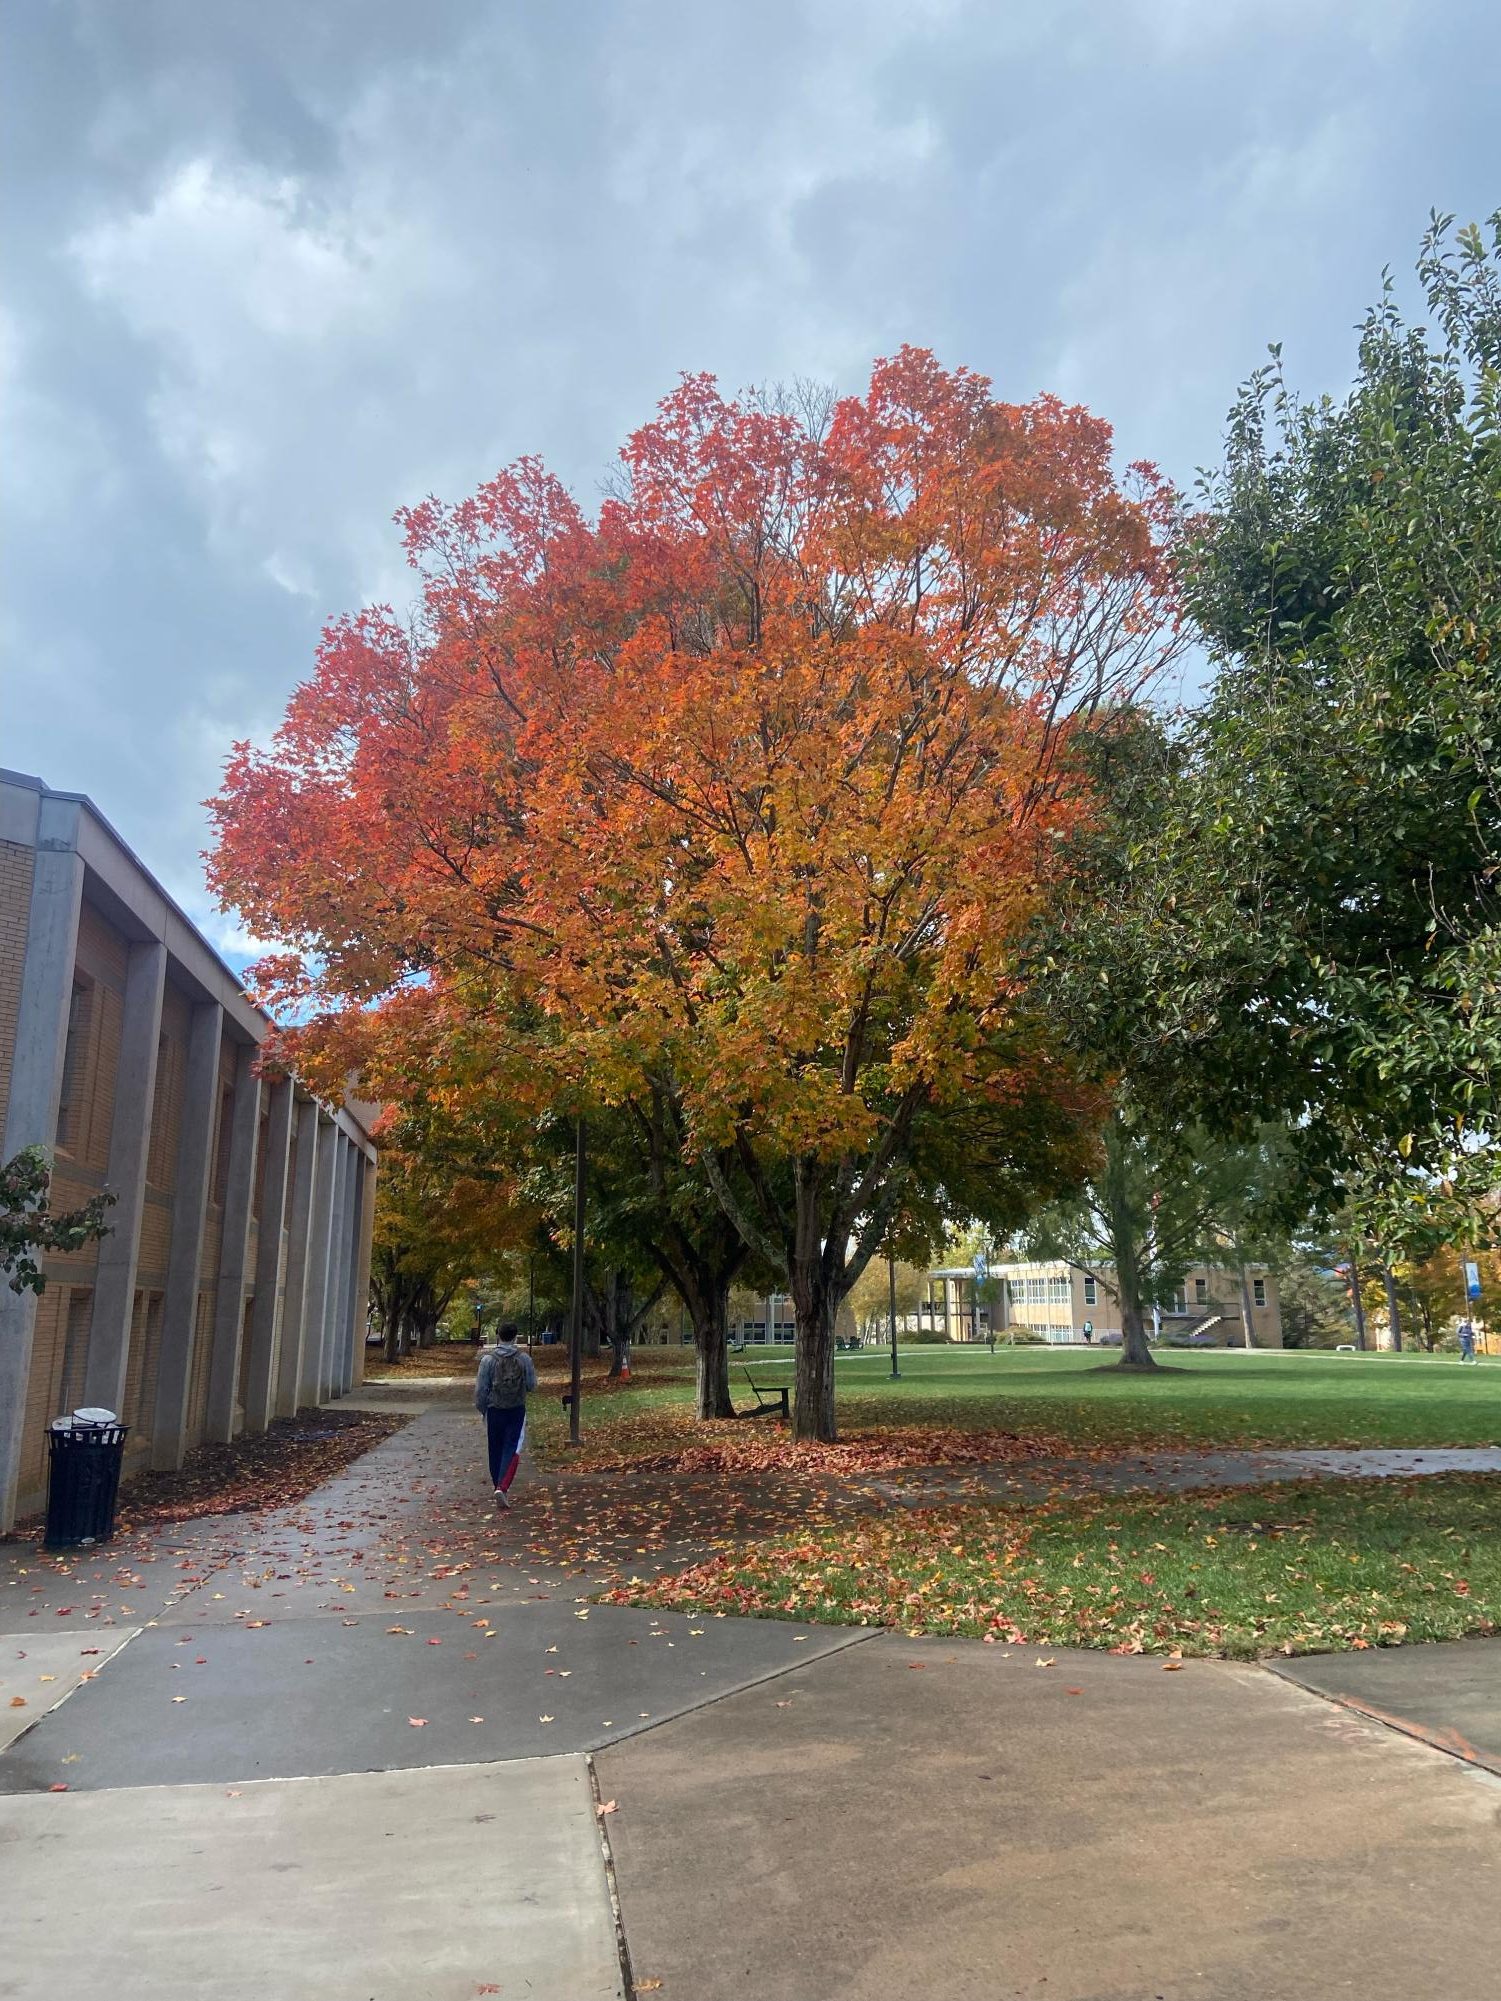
x=36, y=1080
x=368, y=1175
x=270, y=1260
x=299, y=1233
x=338, y=1273
x=234, y=1251
x=315, y=1294
x=344, y=1361
x=338, y=1270
x=195, y=1145
x=129, y=1144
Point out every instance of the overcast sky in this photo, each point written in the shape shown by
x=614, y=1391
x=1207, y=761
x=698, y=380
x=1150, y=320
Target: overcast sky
x=273, y=269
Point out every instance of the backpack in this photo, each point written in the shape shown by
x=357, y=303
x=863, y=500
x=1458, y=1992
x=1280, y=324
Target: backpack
x=507, y=1381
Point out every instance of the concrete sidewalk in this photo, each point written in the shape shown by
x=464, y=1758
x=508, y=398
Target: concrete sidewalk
x=946, y=1819
x=308, y=1760
x=378, y=1886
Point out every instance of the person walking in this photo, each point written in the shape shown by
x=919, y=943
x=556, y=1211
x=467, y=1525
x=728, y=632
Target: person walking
x=1467, y=1341
x=506, y=1375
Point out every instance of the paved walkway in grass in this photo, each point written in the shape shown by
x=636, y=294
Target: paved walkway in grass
x=381, y=1746
x=1175, y=1472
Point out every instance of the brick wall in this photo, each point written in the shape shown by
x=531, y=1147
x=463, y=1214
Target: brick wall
x=15, y=915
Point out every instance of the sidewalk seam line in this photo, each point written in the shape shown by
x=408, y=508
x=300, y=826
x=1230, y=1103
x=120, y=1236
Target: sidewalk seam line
x=1412, y=1732
x=32, y=1722
x=740, y=1688
x=612, y=1885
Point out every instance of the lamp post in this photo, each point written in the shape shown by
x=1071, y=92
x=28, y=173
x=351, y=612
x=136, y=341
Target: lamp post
x=891, y=1304
x=531, y=1301
x=479, y=1322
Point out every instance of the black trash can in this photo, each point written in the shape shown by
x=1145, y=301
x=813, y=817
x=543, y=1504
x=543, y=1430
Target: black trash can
x=83, y=1481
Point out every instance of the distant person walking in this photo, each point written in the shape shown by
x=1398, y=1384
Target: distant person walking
x=505, y=1376
x=1467, y=1342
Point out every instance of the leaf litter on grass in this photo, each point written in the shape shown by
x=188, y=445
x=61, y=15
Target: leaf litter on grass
x=1241, y=1572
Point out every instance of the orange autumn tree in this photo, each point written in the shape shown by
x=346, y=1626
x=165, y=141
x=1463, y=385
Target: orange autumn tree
x=739, y=794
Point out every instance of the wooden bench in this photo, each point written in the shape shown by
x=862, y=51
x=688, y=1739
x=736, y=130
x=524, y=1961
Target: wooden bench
x=772, y=1399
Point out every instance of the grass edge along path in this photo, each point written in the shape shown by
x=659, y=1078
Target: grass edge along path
x=960, y=1405
x=1297, y=1567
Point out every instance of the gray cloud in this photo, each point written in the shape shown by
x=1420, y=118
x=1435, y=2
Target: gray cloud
x=273, y=271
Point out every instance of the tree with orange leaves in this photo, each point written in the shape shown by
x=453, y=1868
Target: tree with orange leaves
x=738, y=796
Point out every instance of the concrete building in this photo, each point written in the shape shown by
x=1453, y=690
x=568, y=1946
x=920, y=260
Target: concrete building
x=1054, y=1301
x=231, y=1286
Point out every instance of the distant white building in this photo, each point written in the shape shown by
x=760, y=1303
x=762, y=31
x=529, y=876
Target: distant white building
x=1063, y=1304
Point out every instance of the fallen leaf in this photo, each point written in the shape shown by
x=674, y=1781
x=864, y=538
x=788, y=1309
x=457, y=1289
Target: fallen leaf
x=1040, y=1662
x=608, y=1806
x=1171, y=1667
x=417, y=1722
x=58, y=1786
x=544, y=1719
x=18, y=1702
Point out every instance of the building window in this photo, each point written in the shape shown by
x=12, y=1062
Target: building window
x=263, y=1132
x=70, y=1110
x=1258, y=1292
x=158, y=1160
x=1091, y=1292
x=222, y=1144
x=1058, y=1291
x=75, y=1349
x=1201, y=1292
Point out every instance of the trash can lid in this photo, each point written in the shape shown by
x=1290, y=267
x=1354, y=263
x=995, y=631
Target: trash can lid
x=92, y=1414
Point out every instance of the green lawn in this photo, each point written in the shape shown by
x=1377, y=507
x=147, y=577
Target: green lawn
x=1078, y=1400
x=1295, y=1569
x=1222, y=1397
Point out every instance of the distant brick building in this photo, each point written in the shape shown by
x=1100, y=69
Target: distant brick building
x=231, y=1286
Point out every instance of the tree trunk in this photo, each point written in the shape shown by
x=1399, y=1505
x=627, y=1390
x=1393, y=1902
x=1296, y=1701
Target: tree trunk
x=391, y=1328
x=1393, y=1316
x=593, y=1329
x=1245, y=1304
x=618, y=1322
x=1135, y=1352
x=711, y=1343
x=814, y=1308
x=1356, y=1301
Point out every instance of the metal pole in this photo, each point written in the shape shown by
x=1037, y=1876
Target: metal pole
x=891, y=1301
x=531, y=1301
x=576, y=1327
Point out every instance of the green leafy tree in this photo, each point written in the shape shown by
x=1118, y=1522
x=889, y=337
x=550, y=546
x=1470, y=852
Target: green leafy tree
x=1342, y=814
x=1162, y=1198
x=29, y=1225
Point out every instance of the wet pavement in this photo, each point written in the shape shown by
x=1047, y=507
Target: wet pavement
x=1173, y=1472
x=317, y=1695
x=275, y=1698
